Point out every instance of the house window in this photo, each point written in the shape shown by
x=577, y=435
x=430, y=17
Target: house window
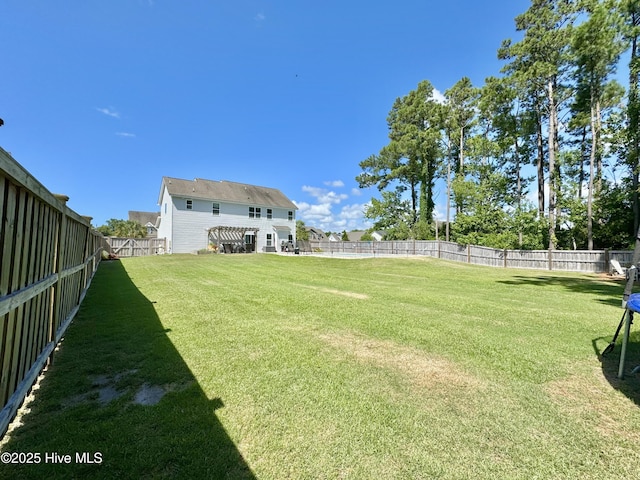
x=189, y=204
x=252, y=212
x=216, y=209
x=290, y=238
x=290, y=217
x=268, y=239
x=269, y=213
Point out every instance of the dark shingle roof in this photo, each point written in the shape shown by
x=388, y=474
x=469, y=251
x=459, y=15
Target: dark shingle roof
x=226, y=191
x=144, y=217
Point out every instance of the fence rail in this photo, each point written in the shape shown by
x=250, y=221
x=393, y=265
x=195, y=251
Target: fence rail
x=48, y=256
x=135, y=247
x=591, y=261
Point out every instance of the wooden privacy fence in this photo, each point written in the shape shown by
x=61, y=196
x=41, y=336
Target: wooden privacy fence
x=592, y=261
x=48, y=256
x=134, y=247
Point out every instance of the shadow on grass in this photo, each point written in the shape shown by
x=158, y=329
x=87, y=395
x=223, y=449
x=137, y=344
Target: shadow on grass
x=630, y=384
x=120, y=395
x=609, y=290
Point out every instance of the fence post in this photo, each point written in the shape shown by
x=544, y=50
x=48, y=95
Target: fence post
x=505, y=258
x=607, y=266
x=550, y=259
x=468, y=253
x=56, y=294
x=87, y=252
x=44, y=259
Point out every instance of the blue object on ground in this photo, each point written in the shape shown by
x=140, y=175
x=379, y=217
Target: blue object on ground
x=633, y=303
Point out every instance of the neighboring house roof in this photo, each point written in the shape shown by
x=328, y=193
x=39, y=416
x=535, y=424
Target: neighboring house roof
x=315, y=233
x=225, y=191
x=334, y=238
x=144, y=218
x=356, y=235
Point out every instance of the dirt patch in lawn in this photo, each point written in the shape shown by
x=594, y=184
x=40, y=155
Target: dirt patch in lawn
x=590, y=400
x=344, y=293
x=105, y=389
x=419, y=368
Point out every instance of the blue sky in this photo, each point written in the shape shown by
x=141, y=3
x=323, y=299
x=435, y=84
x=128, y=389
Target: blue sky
x=101, y=99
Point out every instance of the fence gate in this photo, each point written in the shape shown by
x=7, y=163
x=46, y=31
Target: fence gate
x=135, y=247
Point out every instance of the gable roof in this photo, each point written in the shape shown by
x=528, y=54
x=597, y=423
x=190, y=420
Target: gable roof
x=225, y=191
x=143, y=218
x=315, y=231
x=356, y=235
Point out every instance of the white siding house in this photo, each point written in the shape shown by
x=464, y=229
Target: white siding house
x=197, y=213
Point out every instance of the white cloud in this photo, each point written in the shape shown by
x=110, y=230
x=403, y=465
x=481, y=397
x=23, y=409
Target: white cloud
x=339, y=225
x=356, y=192
x=352, y=217
x=334, y=183
x=438, y=96
x=109, y=111
x=306, y=210
x=353, y=212
x=325, y=196
x=259, y=17
x=320, y=211
x=126, y=134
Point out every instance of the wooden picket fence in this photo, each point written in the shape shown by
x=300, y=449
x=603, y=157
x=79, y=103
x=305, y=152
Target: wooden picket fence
x=591, y=261
x=48, y=256
x=135, y=247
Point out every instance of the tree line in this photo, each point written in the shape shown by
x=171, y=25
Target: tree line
x=116, y=227
x=553, y=121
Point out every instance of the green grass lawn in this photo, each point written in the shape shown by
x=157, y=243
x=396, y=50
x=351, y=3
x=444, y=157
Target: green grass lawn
x=301, y=367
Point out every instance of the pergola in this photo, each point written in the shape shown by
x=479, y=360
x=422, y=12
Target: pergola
x=232, y=239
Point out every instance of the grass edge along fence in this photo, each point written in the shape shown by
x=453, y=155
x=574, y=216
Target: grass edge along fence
x=48, y=256
x=587, y=261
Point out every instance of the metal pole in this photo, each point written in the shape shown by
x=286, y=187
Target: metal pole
x=625, y=340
